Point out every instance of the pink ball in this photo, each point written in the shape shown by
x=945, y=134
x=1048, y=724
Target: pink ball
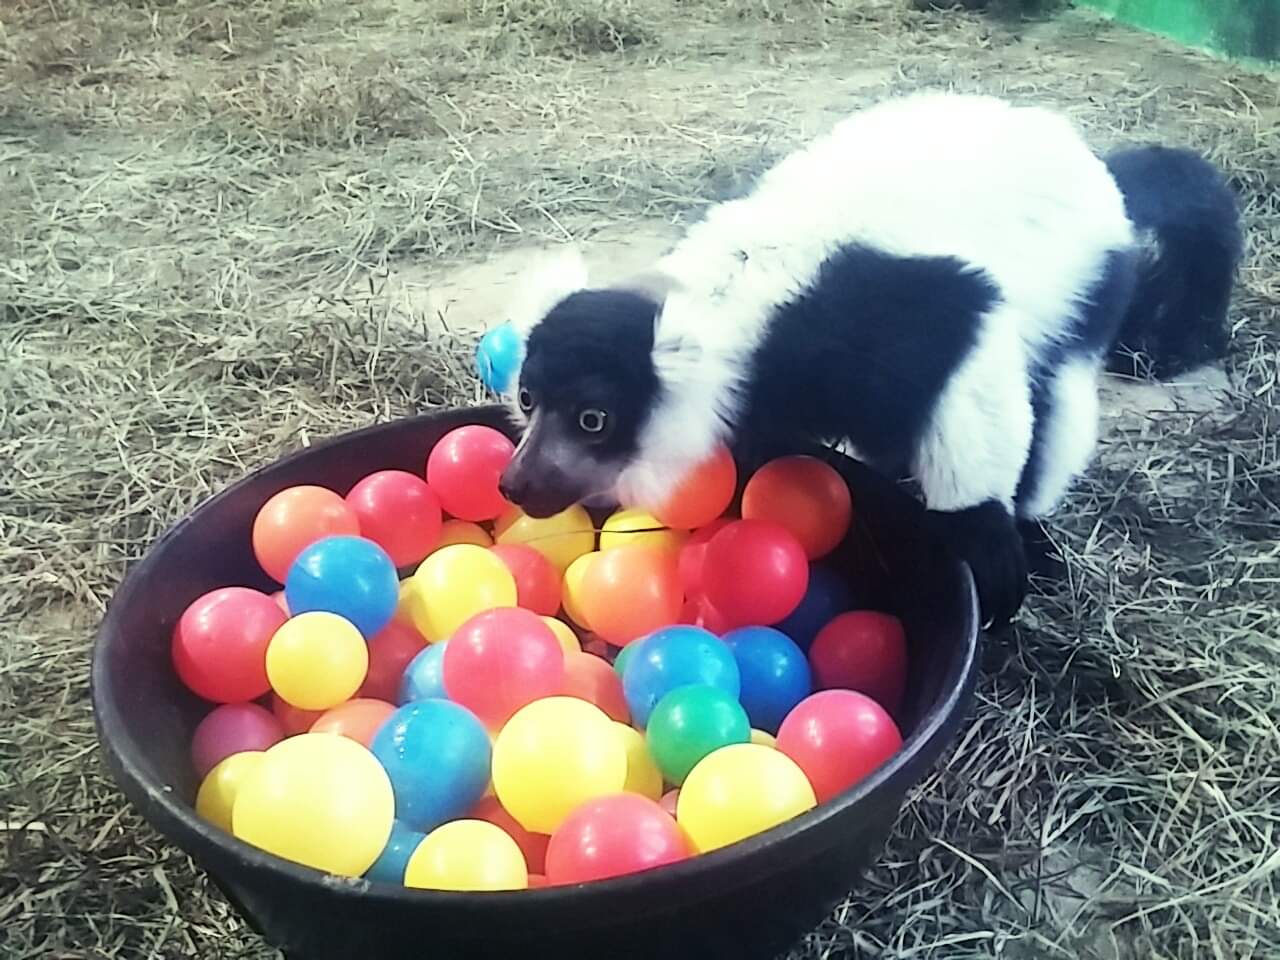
x=755, y=572
x=499, y=661
x=464, y=469
x=838, y=738
x=232, y=728
x=612, y=836
x=398, y=512
x=693, y=555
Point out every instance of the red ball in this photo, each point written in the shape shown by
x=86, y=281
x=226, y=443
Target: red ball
x=592, y=678
x=464, y=469
x=838, y=738
x=399, y=513
x=611, y=836
x=806, y=496
x=755, y=572
x=864, y=651
x=538, y=583
x=500, y=660
x=295, y=720
x=532, y=845
x=232, y=728
x=693, y=554
x=390, y=650
x=220, y=644
x=701, y=613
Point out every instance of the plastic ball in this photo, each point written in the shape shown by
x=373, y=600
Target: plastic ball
x=358, y=719
x=537, y=581
x=220, y=644
x=424, y=677
x=631, y=527
x=317, y=660
x=700, y=613
x=611, y=837
x=350, y=576
x=693, y=554
x=294, y=519
x=676, y=657
x=562, y=539
x=390, y=865
x=571, y=593
x=391, y=651
x=670, y=801
x=593, y=679
x=281, y=602
x=498, y=357
x=775, y=674
x=216, y=797
x=738, y=792
x=553, y=755
x=827, y=596
x=864, y=651
x=295, y=720
x=806, y=496
x=624, y=657
x=436, y=754
x=704, y=494
x=532, y=845
x=454, y=584
x=643, y=775
x=467, y=855
x=755, y=572
x=232, y=728
x=464, y=468
x=500, y=660
x=318, y=800
x=398, y=512
x=838, y=738
x=628, y=592
x=569, y=641
x=463, y=531
x=764, y=739
x=690, y=723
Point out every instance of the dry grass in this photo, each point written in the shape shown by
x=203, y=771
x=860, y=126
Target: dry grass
x=202, y=205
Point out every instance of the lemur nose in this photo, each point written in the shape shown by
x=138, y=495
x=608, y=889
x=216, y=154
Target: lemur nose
x=511, y=488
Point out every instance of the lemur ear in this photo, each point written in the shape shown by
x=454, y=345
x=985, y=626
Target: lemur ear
x=545, y=284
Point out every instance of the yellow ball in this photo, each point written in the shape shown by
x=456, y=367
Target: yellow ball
x=319, y=800
x=571, y=590
x=410, y=601
x=467, y=855
x=463, y=531
x=561, y=539
x=551, y=756
x=739, y=791
x=630, y=526
x=317, y=660
x=564, y=633
x=457, y=582
x=643, y=775
x=217, y=795
x=764, y=739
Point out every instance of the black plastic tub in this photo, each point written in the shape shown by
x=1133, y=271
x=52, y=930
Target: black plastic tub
x=751, y=900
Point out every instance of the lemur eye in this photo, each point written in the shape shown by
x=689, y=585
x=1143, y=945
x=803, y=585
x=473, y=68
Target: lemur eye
x=593, y=421
x=525, y=399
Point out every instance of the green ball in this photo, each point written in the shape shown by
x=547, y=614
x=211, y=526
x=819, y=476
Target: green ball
x=691, y=722
x=625, y=654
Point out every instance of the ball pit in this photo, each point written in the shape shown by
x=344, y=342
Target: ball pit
x=604, y=759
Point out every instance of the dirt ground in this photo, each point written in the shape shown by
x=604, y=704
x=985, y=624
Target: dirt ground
x=230, y=228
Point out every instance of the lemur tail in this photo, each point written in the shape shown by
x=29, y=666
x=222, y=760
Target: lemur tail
x=1188, y=225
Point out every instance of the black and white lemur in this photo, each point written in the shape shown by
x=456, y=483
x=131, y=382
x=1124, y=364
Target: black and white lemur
x=937, y=282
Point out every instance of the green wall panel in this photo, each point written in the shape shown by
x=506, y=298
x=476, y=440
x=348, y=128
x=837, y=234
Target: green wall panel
x=1248, y=29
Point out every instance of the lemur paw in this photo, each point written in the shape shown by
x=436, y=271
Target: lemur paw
x=987, y=539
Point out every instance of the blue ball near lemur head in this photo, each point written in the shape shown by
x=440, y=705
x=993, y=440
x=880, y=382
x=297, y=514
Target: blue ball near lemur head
x=497, y=357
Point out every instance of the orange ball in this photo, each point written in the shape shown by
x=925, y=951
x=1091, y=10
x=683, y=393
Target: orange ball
x=463, y=531
x=806, y=496
x=357, y=719
x=704, y=493
x=294, y=519
x=628, y=592
x=594, y=680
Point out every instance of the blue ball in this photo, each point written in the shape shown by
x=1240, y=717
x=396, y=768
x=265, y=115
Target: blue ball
x=775, y=674
x=497, y=357
x=675, y=657
x=827, y=596
x=437, y=755
x=350, y=576
x=389, y=867
x=424, y=677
